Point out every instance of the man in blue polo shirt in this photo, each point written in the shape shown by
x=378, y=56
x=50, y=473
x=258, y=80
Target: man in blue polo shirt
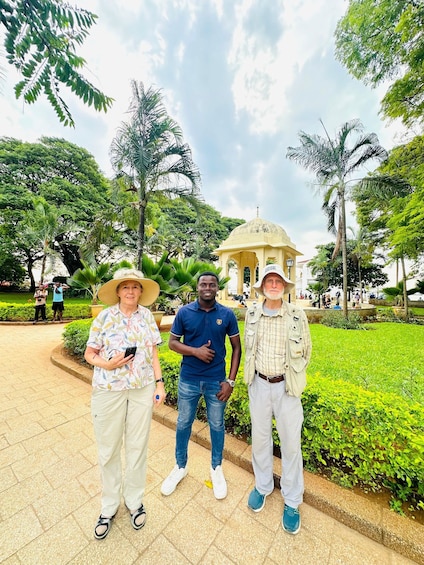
x=203, y=326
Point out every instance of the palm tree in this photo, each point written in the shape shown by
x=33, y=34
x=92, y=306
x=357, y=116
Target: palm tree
x=148, y=155
x=333, y=163
x=90, y=278
x=361, y=252
x=41, y=226
x=186, y=274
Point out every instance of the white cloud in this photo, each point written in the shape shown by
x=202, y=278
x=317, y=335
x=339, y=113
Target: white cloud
x=242, y=78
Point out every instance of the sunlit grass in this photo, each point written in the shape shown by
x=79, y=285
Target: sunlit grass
x=386, y=357
x=25, y=297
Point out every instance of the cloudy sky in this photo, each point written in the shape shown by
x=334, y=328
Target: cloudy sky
x=241, y=77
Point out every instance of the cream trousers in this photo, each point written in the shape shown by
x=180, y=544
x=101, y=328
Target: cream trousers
x=122, y=417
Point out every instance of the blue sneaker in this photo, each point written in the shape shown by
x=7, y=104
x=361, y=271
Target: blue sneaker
x=291, y=520
x=256, y=500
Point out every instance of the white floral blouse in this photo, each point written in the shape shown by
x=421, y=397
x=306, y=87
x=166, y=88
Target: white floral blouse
x=112, y=332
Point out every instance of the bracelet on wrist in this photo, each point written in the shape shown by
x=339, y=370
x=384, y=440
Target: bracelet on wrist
x=160, y=380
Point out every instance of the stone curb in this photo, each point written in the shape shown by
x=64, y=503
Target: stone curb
x=355, y=511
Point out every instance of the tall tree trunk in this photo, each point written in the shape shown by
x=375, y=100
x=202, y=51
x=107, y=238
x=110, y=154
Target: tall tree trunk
x=30, y=265
x=405, y=294
x=70, y=256
x=344, y=253
x=43, y=265
x=140, y=233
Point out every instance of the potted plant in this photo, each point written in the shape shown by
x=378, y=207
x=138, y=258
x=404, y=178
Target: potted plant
x=91, y=278
x=163, y=273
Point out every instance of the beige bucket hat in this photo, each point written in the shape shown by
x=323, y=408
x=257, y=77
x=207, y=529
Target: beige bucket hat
x=276, y=270
x=151, y=289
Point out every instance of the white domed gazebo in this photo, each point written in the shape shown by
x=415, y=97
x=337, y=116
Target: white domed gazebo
x=254, y=245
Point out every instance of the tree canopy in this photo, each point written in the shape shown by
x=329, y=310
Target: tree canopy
x=382, y=40
x=179, y=228
x=391, y=200
x=329, y=271
x=68, y=179
x=390, y=203
x=41, y=40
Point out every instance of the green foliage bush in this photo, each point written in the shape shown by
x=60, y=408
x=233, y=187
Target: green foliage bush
x=75, y=336
x=25, y=312
x=336, y=319
x=371, y=439
x=358, y=437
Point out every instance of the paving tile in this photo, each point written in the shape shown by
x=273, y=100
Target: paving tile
x=58, y=545
x=214, y=556
x=162, y=551
x=301, y=549
x=90, y=481
x=59, y=503
x=16, y=534
x=16, y=497
x=7, y=414
x=51, y=481
x=245, y=541
x=7, y=478
x=188, y=526
x=19, y=434
x=34, y=463
x=12, y=453
x=48, y=438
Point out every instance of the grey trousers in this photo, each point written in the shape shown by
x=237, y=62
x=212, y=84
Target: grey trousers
x=267, y=400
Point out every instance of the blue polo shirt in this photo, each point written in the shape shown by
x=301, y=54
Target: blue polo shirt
x=197, y=327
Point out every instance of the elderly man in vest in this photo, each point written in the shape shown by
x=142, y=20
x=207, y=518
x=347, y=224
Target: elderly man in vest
x=277, y=352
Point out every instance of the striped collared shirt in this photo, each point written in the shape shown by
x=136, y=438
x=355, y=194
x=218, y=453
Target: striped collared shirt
x=271, y=348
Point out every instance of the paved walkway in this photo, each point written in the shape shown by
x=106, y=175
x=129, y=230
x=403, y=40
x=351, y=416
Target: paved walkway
x=49, y=487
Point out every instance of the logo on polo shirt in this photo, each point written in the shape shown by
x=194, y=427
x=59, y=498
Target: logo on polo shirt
x=219, y=322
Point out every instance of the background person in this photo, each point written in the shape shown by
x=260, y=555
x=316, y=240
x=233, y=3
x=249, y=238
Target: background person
x=58, y=304
x=277, y=351
x=125, y=387
x=40, y=296
x=203, y=325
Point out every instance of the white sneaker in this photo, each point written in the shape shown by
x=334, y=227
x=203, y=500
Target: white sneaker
x=218, y=482
x=175, y=476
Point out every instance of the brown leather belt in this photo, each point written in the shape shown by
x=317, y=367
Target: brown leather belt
x=277, y=379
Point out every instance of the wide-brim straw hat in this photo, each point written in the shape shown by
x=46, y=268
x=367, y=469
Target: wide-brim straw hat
x=151, y=289
x=276, y=270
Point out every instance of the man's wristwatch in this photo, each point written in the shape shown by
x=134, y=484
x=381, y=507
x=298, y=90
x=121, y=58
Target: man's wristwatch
x=231, y=382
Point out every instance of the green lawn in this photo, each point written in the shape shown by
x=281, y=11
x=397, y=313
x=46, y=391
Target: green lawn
x=25, y=297
x=386, y=357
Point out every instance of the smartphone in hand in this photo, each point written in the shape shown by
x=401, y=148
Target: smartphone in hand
x=130, y=351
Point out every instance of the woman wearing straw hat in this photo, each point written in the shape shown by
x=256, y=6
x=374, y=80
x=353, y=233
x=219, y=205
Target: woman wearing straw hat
x=125, y=387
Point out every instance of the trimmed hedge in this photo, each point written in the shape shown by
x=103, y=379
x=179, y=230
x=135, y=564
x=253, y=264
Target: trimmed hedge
x=365, y=438
x=25, y=312
x=356, y=437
